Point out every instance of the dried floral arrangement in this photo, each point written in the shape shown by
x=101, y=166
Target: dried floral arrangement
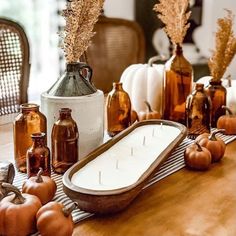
x=225, y=47
x=173, y=13
x=80, y=17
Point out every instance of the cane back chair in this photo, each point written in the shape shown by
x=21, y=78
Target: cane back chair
x=117, y=44
x=14, y=66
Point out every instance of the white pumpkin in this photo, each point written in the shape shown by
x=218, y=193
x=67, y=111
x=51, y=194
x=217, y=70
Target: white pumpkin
x=231, y=99
x=144, y=82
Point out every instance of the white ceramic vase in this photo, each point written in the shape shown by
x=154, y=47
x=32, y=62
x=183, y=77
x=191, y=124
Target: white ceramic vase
x=87, y=111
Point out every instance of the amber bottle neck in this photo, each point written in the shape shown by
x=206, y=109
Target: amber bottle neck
x=199, y=87
x=27, y=107
x=178, y=50
x=117, y=86
x=65, y=113
x=38, y=139
x=215, y=82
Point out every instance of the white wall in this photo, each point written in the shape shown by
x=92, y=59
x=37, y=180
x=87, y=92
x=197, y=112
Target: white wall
x=119, y=8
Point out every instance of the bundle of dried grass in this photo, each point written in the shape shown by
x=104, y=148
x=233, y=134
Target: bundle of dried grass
x=80, y=17
x=173, y=13
x=225, y=47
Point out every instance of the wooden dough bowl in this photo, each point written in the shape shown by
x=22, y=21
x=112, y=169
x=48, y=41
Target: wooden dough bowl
x=111, y=201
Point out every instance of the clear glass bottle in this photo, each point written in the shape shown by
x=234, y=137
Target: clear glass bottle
x=118, y=109
x=217, y=93
x=30, y=120
x=64, y=140
x=38, y=155
x=177, y=85
x=198, y=110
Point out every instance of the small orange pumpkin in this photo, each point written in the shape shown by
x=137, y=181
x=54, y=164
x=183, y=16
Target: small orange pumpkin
x=215, y=145
x=149, y=114
x=134, y=116
x=55, y=219
x=197, y=157
x=227, y=122
x=18, y=212
x=41, y=186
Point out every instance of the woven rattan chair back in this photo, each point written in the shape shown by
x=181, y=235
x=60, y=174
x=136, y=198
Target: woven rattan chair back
x=117, y=44
x=14, y=66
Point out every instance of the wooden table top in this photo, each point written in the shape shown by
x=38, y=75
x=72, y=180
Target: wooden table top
x=186, y=203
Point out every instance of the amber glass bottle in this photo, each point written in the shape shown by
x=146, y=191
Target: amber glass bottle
x=198, y=109
x=118, y=109
x=30, y=120
x=177, y=85
x=217, y=93
x=38, y=155
x=64, y=140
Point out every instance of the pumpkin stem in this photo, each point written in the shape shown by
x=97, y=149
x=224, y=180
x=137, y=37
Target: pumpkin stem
x=227, y=109
x=148, y=106
x=156, y=58
x=212, y=136
x=67, y=210
x=39, y=178
x=3, y=192
x=18, y=199
x=199, y=148
x=229, y=78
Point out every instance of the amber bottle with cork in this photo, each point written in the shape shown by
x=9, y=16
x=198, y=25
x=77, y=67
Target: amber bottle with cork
x=178, y=85
x=38, y=155
x=217, y=93
x=64, y=140
x=198, y=112
x=118, y=110
x=30, y=120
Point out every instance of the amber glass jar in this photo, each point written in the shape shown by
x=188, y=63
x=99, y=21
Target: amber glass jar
x=30, y=120
x=118, y=109
x=217, y=93
x=64, y=140
x=198, y=109
x=177, y=85
x=38, y=155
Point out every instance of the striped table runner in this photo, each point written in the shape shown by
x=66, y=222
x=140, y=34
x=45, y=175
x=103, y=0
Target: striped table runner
x=174, y=163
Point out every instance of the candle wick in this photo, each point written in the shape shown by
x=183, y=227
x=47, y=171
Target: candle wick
x=144, y=140
x=153, y=131
x=132, y=151
x=100, y=177
x=117, y=164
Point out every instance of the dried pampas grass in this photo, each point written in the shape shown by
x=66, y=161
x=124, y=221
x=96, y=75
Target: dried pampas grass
x=80, y=17
x=225, y=47
x=173, y=13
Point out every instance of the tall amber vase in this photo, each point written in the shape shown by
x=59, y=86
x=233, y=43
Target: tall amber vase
x=217, y=93
x=38, y=156
x=64, y=140
x=198, y=112
x=177, y=85
x=118, y=109
x=30, y=120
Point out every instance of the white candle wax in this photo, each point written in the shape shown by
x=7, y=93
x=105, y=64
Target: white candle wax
x=130, y=167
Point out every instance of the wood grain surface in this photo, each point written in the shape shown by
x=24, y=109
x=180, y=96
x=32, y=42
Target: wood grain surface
x=186, y=203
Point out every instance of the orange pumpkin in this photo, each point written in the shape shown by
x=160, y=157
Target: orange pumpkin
x=215, y=145
x=149, y=114
x=54, y=219
x=134, y=116
x=197, y=157
x=41, y=186
x=17, y=212
x=227, y=122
